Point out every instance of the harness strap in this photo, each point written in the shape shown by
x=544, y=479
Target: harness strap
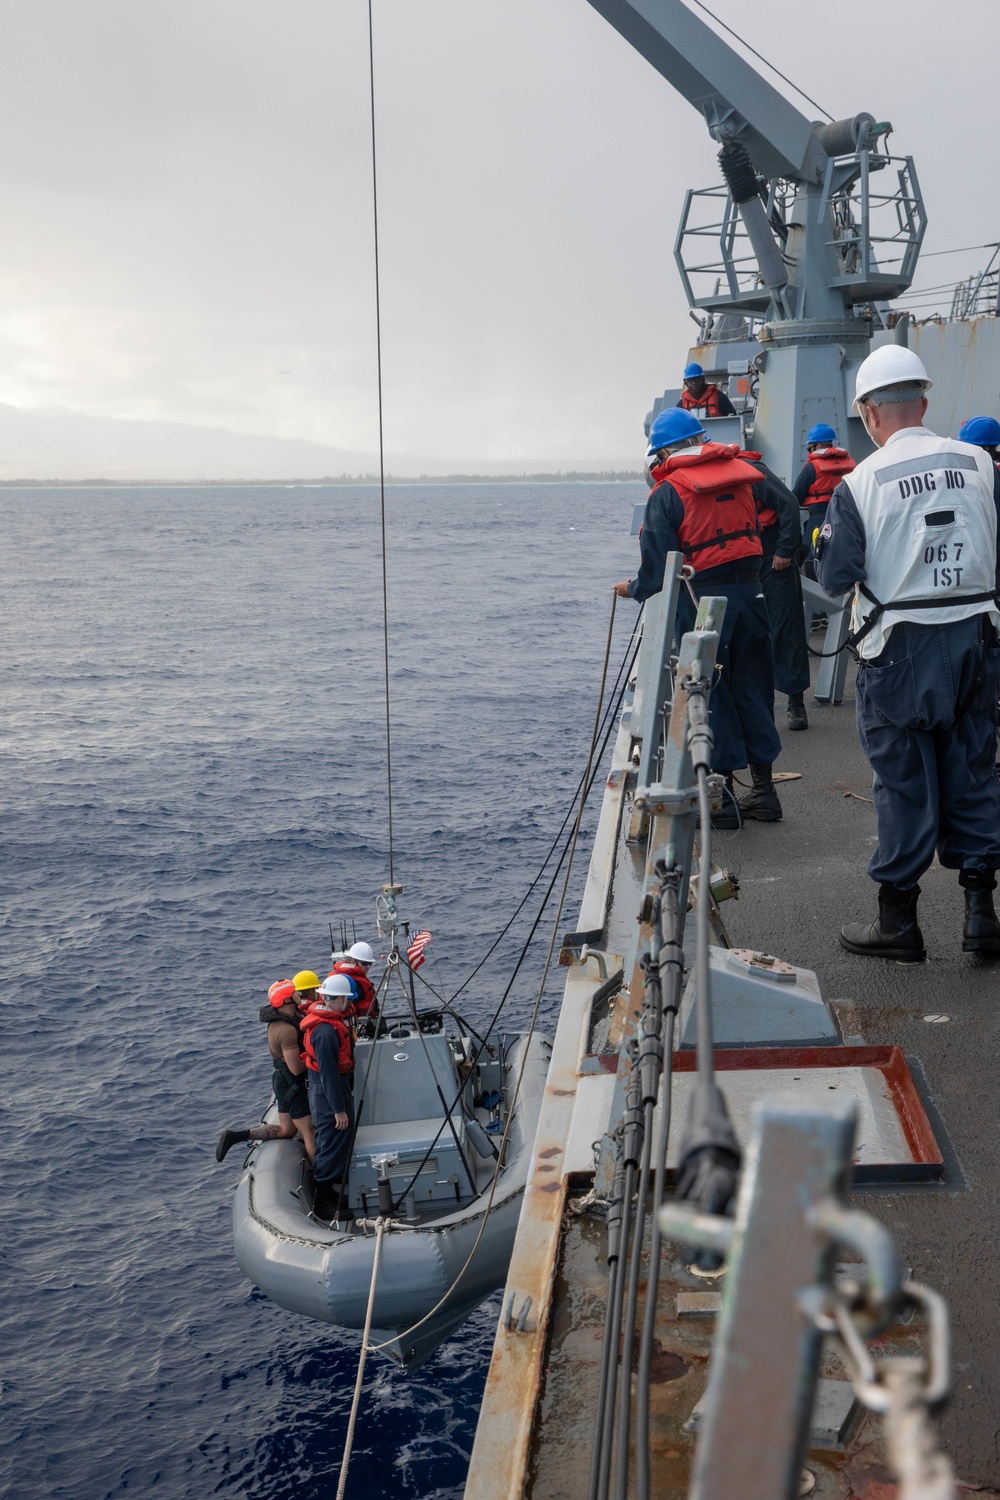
x=871, y=619
x=718, y=540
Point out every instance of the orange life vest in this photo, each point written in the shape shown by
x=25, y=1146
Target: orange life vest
x=356, y=974
x=708, y=401
x=720, y=512
x=318, y=1015
x=831, y=465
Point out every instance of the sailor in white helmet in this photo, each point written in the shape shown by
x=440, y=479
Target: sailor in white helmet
x=913, y=530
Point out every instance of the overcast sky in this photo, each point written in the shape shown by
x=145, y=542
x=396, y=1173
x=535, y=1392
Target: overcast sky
x=185, y=206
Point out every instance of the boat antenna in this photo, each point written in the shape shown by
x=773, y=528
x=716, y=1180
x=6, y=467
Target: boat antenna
x=381, y=444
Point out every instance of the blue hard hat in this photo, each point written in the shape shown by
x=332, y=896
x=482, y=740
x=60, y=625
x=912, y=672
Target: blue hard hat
x=673, y=425
x=821, y=433
x=692, y=371
x=983, y=431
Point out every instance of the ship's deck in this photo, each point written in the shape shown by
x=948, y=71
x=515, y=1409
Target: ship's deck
x=801, y=879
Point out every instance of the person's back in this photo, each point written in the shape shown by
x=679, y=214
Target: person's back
x=704, y=503
x=914, y=531
x=926, y=505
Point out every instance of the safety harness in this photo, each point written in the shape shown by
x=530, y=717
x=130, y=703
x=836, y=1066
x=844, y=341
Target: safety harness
x=871, y=619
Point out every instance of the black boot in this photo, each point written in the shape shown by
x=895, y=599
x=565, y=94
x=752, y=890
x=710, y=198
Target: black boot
x=762, y=802
x=797, y=712
x=981, y=932
x=895, y=934
x=327, y=1199
x=227, y=1140
x=728, y=815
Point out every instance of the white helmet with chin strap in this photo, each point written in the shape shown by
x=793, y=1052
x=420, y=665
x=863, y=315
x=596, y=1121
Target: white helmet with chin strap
x=362, y=953
x=891, y=365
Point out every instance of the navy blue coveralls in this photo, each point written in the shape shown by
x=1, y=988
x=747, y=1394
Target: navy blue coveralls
x=330, y=1093
x=742, y=701
x=783, y=589
x=927, y=721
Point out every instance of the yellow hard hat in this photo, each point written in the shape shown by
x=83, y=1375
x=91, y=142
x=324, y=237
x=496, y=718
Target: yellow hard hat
x=305, y=979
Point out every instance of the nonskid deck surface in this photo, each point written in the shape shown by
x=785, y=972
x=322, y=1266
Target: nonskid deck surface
x=801, y=879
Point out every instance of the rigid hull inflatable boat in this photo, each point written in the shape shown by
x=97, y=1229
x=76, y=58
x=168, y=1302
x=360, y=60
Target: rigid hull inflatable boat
x=456, y=1179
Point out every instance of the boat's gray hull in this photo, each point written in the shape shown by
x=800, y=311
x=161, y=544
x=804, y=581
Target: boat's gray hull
x=313, y=1270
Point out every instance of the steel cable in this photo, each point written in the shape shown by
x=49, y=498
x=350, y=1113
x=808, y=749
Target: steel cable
x=587, y=782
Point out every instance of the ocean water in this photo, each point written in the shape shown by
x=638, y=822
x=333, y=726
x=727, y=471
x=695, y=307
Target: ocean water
x=193, y=774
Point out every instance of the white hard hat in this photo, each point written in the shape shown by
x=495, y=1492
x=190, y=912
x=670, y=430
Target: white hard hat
x=892, y=364
x=336, y=984
x=363, y=953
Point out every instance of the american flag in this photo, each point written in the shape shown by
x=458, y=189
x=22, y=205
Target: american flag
x=415, y=954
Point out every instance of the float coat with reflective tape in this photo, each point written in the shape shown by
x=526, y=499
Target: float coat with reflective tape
x=719, y=524
x=917, y=520
x=828, y=465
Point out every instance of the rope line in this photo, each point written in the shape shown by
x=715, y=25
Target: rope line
x=381, y=443
x=537, y=1006
x=763, y=59
x=524, y=950
x=613, y=701
x=379, y=1231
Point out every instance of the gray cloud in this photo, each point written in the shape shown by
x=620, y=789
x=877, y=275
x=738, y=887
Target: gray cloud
x=187, y=217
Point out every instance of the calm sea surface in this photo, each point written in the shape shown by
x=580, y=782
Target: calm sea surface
x=192, y=754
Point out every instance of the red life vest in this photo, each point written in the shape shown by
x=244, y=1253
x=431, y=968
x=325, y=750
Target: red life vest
x=766, y=514
x=831, y=465
x=318, y=1015
x=720, y=512
x=708, y=401
x=366, y=990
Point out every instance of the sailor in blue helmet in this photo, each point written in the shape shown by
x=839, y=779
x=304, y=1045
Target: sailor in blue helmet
x=982, y=432
x=816, y=481
x=703, y=503
x=703, y=398
x=913, y=530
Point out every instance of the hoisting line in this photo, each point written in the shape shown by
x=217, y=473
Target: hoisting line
x=379, y=1231
x=534, y=1014
x=381, y=445
x=744, y=43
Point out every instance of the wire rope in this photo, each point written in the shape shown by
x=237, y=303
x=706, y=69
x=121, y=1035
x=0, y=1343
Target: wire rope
x=588, y=782
x=381, y=440
x=613, y=701
x=534, y=1014
x=744, y=43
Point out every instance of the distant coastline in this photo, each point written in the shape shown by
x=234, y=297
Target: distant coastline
x=570, y=476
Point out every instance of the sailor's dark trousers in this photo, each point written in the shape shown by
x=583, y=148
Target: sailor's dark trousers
x=333, y=1146
x=741, y=708
x=927, y=720
x=786, y=612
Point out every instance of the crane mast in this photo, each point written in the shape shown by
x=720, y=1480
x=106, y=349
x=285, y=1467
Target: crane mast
x=810, y=248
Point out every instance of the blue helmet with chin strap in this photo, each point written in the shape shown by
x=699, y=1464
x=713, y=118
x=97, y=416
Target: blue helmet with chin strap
x=821, y=433
x=693, y=371
x=984, y=432
x=673, y=425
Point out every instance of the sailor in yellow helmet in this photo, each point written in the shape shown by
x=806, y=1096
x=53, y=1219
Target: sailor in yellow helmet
x=306, y=987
